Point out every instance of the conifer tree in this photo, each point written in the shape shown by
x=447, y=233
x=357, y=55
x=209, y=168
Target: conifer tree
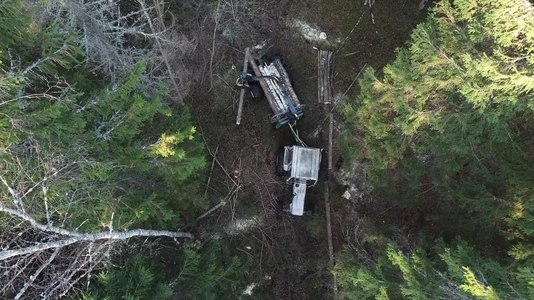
x=81, y=161
x=453, y=114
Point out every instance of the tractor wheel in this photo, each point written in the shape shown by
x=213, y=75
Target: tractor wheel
x=280, y=164
x=256, y=90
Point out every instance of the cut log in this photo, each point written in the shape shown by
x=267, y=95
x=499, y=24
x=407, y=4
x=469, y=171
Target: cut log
x=324, y=76
x=263, y=83
x=242, y=94
x=324, y=91
x=286, y=81
x=330, y=139
x=331, y=259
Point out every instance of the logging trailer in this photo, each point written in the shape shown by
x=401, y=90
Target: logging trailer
x=274, y=81
x=299, y=163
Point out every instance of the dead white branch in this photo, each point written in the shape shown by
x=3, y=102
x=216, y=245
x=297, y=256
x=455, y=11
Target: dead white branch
x=221, y=204
x=75, y=237
x=115, y=37
x=163, y=54
x=12, y=192
x=92, y=237
x=34, y=223
x=36, y=274
x=369, y=2
x=213, y=43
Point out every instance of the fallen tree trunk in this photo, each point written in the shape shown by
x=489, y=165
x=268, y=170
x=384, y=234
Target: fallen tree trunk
x=72, y=237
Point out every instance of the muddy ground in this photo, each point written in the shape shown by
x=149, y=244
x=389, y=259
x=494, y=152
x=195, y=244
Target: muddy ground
x=292, y=251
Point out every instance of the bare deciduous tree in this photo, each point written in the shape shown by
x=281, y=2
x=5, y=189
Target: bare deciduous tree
x=114, y=40
x=46, y=249
x=42, y=253
x=48, y=261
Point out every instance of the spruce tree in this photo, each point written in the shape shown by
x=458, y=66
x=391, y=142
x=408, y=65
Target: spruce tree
x=453, y=114
x=79, y=154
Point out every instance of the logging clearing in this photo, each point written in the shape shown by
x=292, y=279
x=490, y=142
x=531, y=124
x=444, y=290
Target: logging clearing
x=137, y=163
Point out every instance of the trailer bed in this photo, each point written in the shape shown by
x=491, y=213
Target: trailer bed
x=278, y=91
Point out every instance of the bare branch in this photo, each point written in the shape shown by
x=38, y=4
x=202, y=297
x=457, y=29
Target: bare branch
x=45, y=199
x=34, y=223
x=163, y=54
x=14, y=195
x=75, y=237
x=36, y=274
x=213, y=43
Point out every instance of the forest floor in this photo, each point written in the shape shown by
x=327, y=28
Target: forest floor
x=292, y=251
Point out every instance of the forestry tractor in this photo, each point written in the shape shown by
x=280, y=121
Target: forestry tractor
x=298, y=164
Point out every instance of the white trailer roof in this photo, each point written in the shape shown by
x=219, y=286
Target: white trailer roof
x=305, y=163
